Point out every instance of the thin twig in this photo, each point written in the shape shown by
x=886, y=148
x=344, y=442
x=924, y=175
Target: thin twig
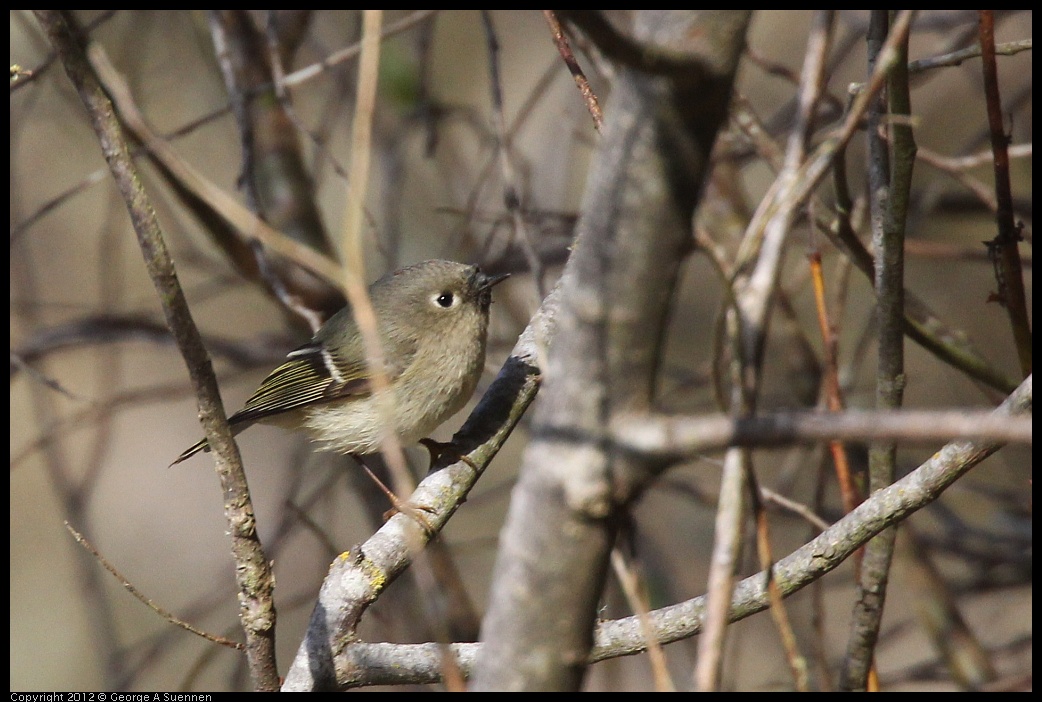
x=727, y=549
x=296, y=78
x=147, y=601
x=756, y=295
x=955, y=58
x=511, y=187
x=354, y=255
x=922, y=325
x=629, y=578
x=565, y=49
x=253, y=572
x=833, y=391
x=38, y=376
x=223, y=205
x=308, y=72
x=824, y=553
x=1008, y=270
x=803, y=511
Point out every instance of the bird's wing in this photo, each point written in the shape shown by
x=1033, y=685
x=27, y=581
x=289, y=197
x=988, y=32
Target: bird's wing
x=314, y=374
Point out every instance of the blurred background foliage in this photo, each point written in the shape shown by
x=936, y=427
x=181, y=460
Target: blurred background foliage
x=100, y=401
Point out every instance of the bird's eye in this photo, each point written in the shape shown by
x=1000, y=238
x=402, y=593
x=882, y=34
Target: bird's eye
x=445, y=299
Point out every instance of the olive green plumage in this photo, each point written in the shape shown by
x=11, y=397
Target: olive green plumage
x=432, y=321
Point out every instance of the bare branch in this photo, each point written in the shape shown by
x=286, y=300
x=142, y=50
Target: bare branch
x=678, y=438
x=253, y=570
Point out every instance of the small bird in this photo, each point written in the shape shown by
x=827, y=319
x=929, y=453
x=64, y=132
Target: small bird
x=432, y=321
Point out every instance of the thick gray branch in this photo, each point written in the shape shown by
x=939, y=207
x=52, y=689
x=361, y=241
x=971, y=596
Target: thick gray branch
x=634, y=230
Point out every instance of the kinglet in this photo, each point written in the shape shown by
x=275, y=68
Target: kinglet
x=432, y=320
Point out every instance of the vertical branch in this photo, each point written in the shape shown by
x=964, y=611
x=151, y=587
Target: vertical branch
x=731, y=511
x=274, y=179
x=354, y=251
x=73, y=493
x=833, y=391
x=1003, y=248
x=890, y=185
x=565, y=49
x=511, y=191
x=361, y=149
x=666, y=109
x=755, y=295
x=964, y=654
x=629, y=576
x=252, y=571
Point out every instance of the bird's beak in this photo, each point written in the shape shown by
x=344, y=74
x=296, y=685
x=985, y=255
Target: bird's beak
x=490, y=281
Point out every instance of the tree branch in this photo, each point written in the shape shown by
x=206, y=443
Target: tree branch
x=253, y=571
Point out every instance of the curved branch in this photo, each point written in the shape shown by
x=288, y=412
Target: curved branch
x=360, y=663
